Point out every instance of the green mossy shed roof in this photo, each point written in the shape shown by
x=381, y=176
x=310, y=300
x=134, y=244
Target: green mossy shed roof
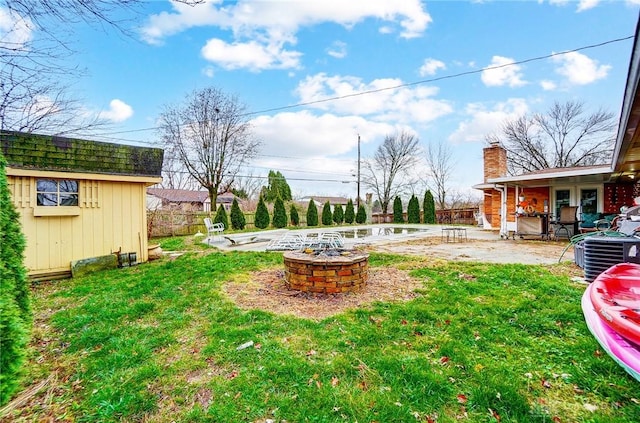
x=47, y=152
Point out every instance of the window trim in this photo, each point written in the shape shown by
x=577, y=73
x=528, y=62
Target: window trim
x=58, y=209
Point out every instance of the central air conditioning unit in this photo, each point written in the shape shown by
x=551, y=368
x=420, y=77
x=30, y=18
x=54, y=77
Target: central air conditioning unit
x=601, y=252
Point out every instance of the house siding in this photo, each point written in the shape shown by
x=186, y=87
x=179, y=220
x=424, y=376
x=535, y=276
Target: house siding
x=111, y=217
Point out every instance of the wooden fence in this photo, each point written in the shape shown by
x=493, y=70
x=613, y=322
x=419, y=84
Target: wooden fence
x=462, y=216
x=179, y=222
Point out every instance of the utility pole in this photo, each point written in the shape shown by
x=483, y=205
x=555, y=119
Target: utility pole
x=358, y=198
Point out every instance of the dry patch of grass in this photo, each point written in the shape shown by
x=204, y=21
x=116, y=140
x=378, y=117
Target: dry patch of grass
x=266, y=290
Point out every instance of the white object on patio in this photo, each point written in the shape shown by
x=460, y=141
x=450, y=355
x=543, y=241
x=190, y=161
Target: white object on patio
x=290, y=242
x=214, y=230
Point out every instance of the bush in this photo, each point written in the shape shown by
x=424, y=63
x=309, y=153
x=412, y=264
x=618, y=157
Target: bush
x=279, y=214
x=312, y=214
x=397, y=211
x=349, y=213
x=293, y=215
x=238, y=221
x=361, y=216
x=327, y=216
x=221, y=216
x=429, y=207
x=413, y=210
x=262, y=215
x=338, y=214
x=15, y=310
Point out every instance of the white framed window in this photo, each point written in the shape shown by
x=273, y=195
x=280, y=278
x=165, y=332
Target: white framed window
x=57, y=197
x=56, y=192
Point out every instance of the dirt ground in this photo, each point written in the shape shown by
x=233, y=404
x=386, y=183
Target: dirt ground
x=266, y=289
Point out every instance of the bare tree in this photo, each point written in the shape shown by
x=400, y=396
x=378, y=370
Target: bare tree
x=440, y=164
x=173, y=174
x=36, y=43
x=248, y=185
x=564, y=136
x=393, y=159
x=211, y=138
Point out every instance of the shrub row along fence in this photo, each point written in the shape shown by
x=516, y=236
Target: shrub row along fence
x=179, y=222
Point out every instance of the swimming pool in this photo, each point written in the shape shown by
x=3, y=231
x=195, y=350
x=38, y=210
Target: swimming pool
x=377, y=231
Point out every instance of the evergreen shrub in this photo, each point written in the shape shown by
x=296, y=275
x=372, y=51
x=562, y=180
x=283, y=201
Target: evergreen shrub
x=312, y=214
x=413, y=210
x=279, y=214
x=262, y=215
x=349, y=213
x=221, y=216
x=429, y=208
x=338, y=214
x=293, y=215
x=361, y=216
x=238, y=221
x=15, y=310
x=397, y=211
x=327, y=216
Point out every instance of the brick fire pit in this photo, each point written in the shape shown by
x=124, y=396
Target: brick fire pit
x=324, y=272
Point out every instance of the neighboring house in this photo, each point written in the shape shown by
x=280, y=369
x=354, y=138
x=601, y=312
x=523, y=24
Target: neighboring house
x=596, y=190
x=186, y=200
x=176, y=199
x=320, y=201
x=225, y=199
x=78, y=199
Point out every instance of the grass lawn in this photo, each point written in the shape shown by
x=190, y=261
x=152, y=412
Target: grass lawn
x=159, y=342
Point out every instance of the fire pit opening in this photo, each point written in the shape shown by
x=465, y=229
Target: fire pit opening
x=327, y=271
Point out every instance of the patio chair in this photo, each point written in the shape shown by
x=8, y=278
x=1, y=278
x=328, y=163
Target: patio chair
x=214, y=230
x=287, y=242
x=567, y=218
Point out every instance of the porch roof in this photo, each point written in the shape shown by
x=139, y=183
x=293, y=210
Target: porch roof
x=555, y=176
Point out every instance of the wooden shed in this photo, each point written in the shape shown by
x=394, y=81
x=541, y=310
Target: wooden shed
x=78, y=199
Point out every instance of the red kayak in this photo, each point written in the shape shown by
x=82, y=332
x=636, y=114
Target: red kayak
x=615, y=295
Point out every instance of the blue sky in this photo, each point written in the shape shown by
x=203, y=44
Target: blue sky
x=272, y=54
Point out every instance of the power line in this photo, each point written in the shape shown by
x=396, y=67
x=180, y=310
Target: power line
x=344, y=181
x=408, y=84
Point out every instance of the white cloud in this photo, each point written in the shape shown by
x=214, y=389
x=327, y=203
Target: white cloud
x=180, y=19
x=208, y=71
x=483, y=121
x=582, y=5
x=307, y=145
x=548, y=85
x=502, y=72
x=579, y=69
x=401, y=105
x=15, y=31
x=251, y=55
x=265, y=27
x=118, y=111
x=306, y=134
x=586, y=5
x=431, y=66
x=338, y=50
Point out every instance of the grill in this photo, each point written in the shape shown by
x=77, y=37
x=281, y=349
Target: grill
x=600, y=253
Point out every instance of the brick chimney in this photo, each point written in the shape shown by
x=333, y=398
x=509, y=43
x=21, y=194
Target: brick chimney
x=495, y=161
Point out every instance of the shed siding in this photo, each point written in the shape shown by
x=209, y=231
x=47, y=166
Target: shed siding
x=112, y=217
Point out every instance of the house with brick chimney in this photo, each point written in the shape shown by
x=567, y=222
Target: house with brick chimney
x=530, y=203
